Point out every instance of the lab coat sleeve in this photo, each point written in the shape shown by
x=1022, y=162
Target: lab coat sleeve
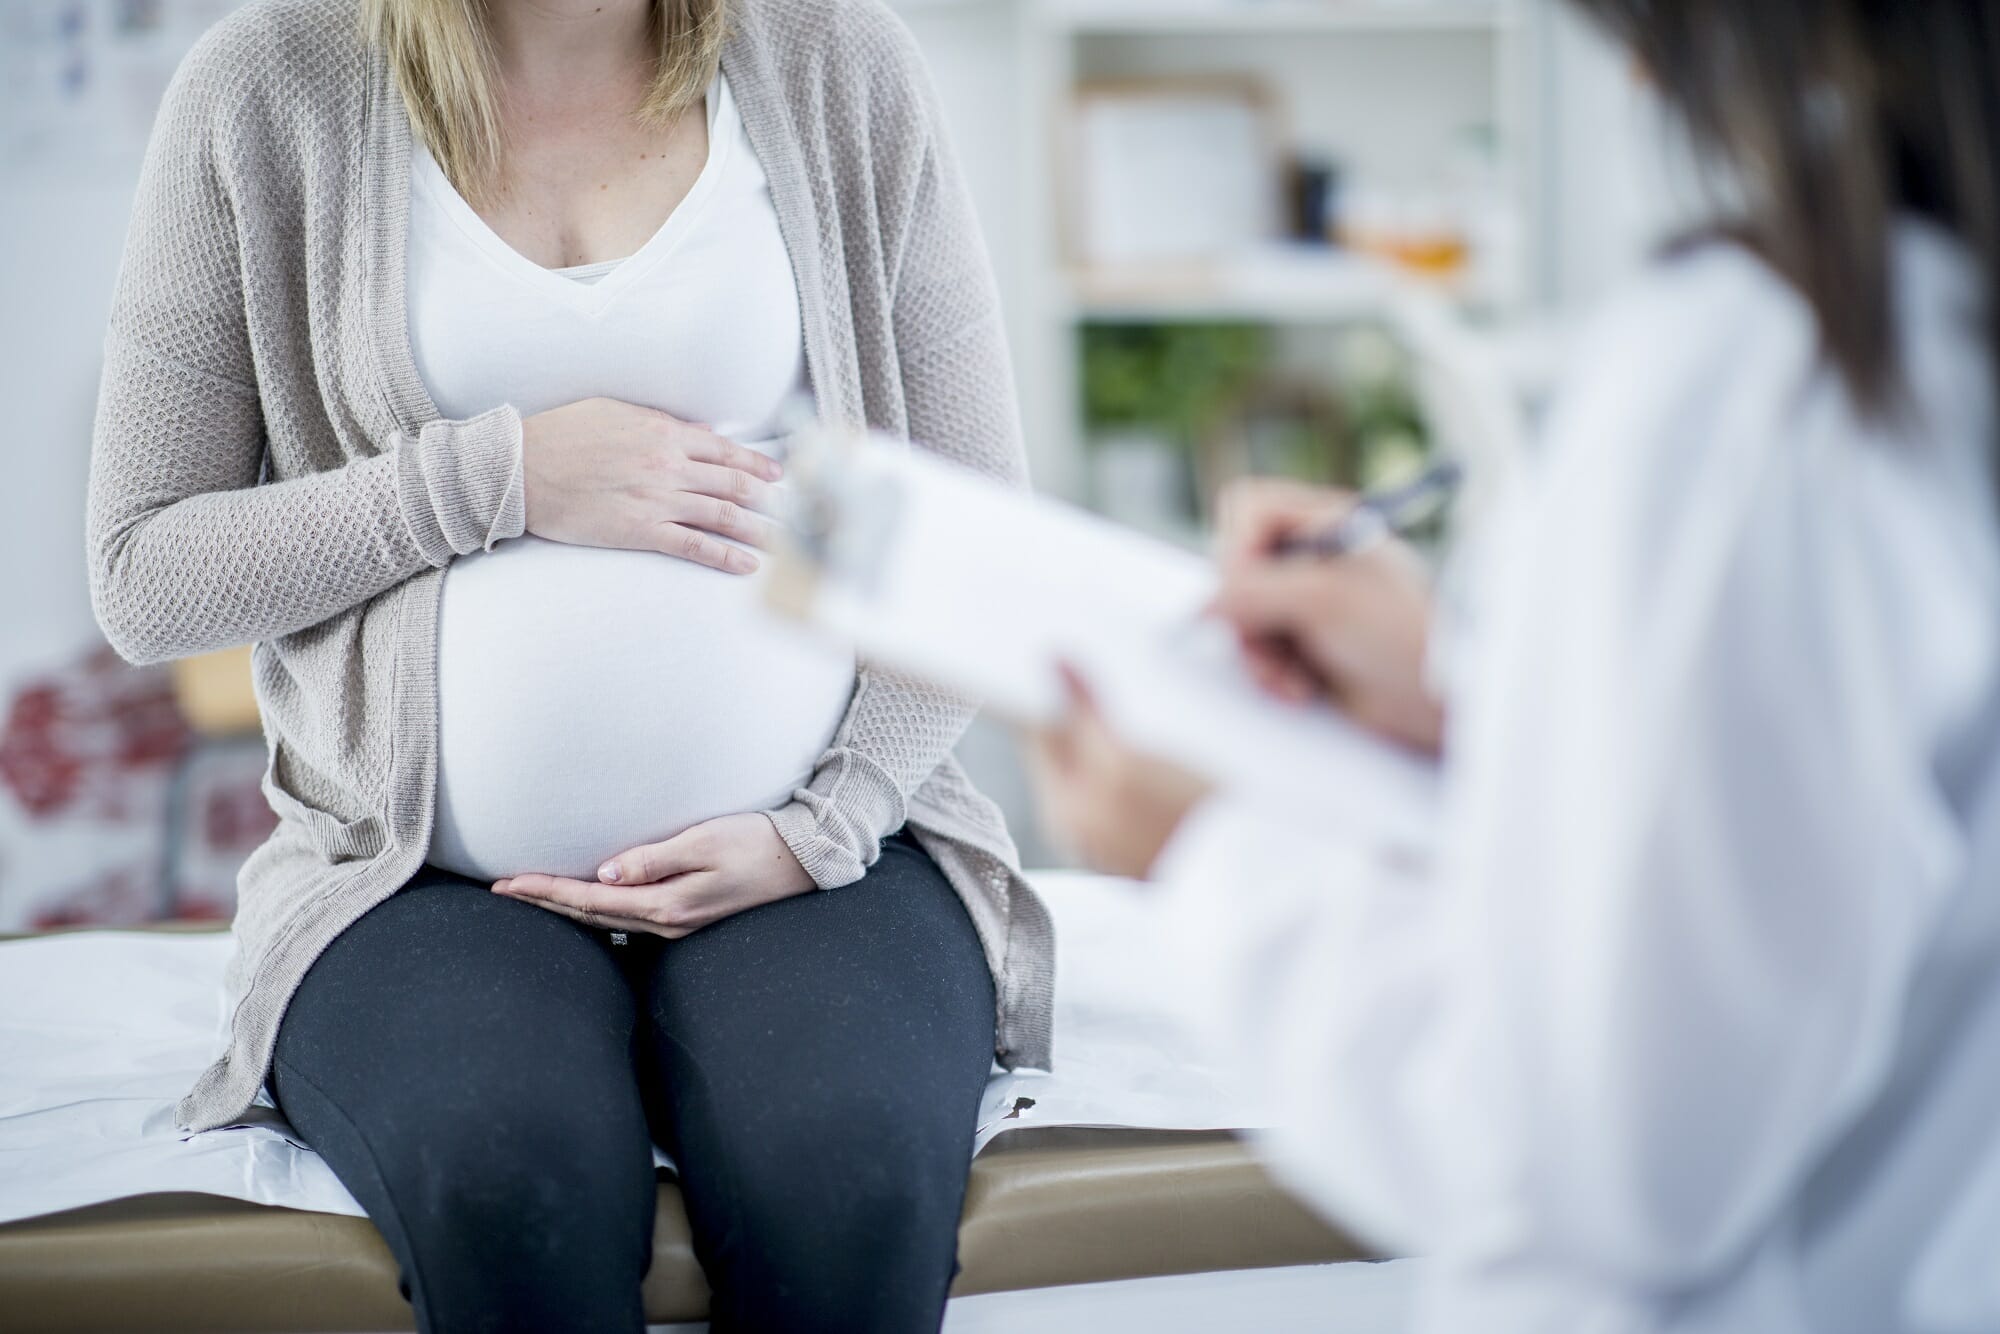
x=1693, y=849
x=1312, y=971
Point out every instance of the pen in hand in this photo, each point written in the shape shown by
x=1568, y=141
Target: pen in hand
x=1377, y=515
x=1334, y=627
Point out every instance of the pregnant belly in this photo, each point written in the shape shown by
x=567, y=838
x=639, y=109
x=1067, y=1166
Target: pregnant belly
x=590, y=701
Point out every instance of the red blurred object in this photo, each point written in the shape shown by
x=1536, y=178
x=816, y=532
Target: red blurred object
x=116, y=897
x=93, y=743
x=113, y=809
x=32, y=762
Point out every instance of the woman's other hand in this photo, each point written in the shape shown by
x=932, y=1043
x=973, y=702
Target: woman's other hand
x=1114, y=807
x=1353, y=628
x=603, y=473
x=672, y=889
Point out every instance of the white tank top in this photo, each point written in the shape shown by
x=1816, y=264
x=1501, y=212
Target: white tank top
x=592, y=700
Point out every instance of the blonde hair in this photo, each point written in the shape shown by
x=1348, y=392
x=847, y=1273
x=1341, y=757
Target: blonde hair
x=442, y=54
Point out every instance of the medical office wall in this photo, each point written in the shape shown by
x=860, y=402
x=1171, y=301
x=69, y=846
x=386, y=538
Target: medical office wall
x=114, y=806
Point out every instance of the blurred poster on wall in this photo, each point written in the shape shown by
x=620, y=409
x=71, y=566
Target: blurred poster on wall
x=81, y=79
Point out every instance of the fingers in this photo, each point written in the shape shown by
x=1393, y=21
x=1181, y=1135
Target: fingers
x=1082, y=699
x=1292, y=618
x=1274, y=664
x=1055, y=749
x=1289, y=597
x=1113, y=805
x=655, y=862
x=691, y=544
x=705, y=446
x=1084, y=739
x=695, y=441
x=1256, y=514
x=731, y=484
x=1061, y=743
x=724, y=518
x=602, y=907
x=579, y=900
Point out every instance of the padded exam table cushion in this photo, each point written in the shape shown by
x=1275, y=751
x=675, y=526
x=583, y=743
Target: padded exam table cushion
x=1044, y=1207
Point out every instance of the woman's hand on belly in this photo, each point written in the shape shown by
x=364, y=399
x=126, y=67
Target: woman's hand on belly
x=603, y=473
x=699, y=876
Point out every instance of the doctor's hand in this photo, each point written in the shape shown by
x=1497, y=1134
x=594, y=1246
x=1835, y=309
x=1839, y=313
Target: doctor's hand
x=1351, y=628
x=604, y=473
x=703, y=874
x=1114, y=807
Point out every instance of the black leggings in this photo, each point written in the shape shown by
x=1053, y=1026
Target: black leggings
x=482, y=1074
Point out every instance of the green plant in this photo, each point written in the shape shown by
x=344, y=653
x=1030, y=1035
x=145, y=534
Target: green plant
x=1178, y=380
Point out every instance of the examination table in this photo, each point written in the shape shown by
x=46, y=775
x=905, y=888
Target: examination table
x=1123, y=1167
x=1044, y=1207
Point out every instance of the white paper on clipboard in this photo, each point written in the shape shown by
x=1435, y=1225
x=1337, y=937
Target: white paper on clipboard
x=928, y=568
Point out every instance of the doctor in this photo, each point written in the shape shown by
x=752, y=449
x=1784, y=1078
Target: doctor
x=1693, y=1022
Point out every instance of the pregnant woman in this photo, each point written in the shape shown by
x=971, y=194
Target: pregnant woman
x=445, y=365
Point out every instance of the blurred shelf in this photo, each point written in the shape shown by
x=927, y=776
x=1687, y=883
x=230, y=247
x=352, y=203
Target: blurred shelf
x=1275, y=16
x=1277, y=285
x=1414, y=74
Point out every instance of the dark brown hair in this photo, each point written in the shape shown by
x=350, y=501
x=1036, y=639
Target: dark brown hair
x=1836, y=116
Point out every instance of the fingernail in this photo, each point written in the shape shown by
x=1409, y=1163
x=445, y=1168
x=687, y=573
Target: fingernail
x=609, y=873
x=501, y=886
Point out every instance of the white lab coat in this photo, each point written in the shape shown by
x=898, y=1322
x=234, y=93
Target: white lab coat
x=1694, y=1024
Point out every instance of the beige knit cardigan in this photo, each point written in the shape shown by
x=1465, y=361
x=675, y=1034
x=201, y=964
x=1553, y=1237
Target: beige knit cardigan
x=268, y=467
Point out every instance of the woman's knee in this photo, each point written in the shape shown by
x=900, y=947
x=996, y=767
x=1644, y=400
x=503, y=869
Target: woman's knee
x=838, y=1197
x=519, y=1162
x=542, y=1193
x=529, y=1214
x=879, y=1183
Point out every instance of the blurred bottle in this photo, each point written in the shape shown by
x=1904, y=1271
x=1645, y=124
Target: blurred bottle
x=1315, y=199
x=1430, y=240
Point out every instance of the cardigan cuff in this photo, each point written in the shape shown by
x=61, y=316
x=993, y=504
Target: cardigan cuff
x=835, y=825
x=460, y=484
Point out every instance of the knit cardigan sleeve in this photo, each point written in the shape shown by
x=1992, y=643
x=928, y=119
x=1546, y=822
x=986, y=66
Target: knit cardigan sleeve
x=191, y=546
x=958, y=390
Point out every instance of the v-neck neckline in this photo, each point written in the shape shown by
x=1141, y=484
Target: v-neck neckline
x=385, y=187
x=592, y=298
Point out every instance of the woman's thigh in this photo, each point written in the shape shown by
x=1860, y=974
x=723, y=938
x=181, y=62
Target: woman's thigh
x=464, y=1062
x=818, y=1065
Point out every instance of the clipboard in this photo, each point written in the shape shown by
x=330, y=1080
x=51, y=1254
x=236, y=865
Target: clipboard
x=931, y=569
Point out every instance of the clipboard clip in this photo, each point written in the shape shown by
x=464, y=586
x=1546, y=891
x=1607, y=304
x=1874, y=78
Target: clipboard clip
x=841, y=517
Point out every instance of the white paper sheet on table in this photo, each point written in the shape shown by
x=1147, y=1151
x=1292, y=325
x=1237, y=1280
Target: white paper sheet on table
x=100, y=1035
x=102, y=1032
